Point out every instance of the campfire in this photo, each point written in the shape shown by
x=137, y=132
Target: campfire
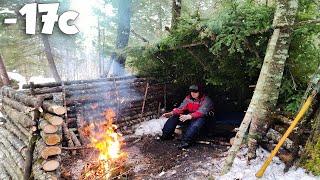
x=109, y=160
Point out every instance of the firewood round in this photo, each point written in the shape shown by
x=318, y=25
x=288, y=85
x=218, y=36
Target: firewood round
x=50, y=165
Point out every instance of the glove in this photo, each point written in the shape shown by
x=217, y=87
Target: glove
x=185, y=117
x=167, y=114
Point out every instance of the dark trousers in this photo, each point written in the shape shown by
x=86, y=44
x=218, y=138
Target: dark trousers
x=192, y=127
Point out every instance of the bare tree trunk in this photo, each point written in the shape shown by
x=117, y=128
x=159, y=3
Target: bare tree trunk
x=267, y=89
x=100, y=49
x=176, y=13
x=123, y=34
x=3, y=73
x=49, y=56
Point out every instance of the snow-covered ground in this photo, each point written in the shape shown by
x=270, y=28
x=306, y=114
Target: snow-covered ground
x=240, y=169
x=17, y=77
x=151, y=127
x=40, y=79
x=22, y=80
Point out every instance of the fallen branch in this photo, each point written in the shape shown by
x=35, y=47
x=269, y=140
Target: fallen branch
x=76, y=148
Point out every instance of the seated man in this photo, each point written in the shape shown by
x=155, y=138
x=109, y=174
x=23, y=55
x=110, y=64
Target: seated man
x=191, y=112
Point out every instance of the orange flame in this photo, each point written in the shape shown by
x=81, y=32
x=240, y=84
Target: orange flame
x=107, y=141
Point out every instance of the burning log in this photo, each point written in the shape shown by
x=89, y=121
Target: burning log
x=50, y=139
x=16, y=105
x=52, y=119
x=46, y=127
x=18, y=117
x=21, y=97
x=53, y=108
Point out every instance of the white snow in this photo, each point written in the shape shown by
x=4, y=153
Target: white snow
x=17, y=77
x=151, y=127
x=240, y=169
x=22, y=80
x=40, y=79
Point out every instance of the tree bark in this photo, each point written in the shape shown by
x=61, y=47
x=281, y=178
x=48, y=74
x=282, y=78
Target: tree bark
x=176, y=13
x=3, y=73
x=21, y=97
x=267, y=89
x=49, y=56
x=10, y=166
x=18, y=117
x=17, y=105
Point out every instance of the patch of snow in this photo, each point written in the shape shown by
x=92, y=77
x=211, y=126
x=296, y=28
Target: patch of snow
x=40, y=79
x=151, y=127
x=242, y=170
x=17, y=77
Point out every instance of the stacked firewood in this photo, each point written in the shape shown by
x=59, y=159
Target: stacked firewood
x=19, y=124
x=46, y=155
x=30, y=136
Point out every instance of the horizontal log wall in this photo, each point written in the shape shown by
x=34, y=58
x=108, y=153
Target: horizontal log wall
x=37, y=121
x=126, y=96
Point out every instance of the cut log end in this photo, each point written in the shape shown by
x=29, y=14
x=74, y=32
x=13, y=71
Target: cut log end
x=52, y=139
x=50, y=165
x=49, y=129
x=54, y=120
x=50, y=151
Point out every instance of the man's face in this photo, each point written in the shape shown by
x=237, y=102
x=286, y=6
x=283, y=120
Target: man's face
x=195, y=94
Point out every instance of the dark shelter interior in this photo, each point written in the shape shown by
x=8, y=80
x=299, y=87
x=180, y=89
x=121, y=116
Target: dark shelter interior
x=229, y=109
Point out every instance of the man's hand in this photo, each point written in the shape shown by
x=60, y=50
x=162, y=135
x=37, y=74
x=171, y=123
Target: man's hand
x=167, y=115
x=184, y=118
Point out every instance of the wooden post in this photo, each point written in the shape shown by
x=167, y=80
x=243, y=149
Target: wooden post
x=144, y=98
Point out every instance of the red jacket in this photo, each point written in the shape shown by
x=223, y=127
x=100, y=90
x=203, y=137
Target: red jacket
x=197, y=108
